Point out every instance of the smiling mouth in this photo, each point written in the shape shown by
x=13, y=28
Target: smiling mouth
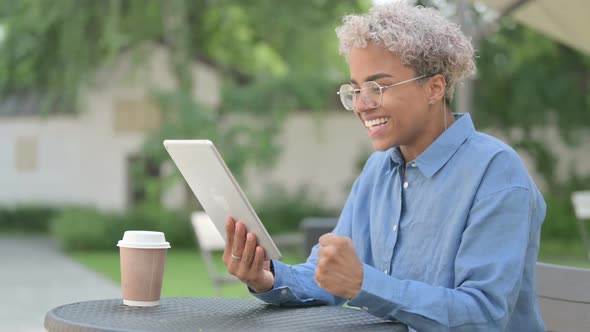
x=376, y=123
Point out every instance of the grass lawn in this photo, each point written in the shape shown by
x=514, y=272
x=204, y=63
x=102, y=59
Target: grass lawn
x=185, y=273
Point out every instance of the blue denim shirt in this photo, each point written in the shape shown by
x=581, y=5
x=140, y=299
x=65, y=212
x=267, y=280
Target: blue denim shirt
x=452, y=246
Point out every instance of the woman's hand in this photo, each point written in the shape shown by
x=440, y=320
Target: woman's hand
x=245, y=259
x=339, y=270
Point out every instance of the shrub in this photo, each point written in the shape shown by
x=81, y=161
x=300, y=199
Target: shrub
x=90, y=229
x=86, y=229
x=175, y=224
x=26, y=218
x=560, y=221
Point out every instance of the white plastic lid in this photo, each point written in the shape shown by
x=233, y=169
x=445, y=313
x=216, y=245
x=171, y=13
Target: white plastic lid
x=143, y=240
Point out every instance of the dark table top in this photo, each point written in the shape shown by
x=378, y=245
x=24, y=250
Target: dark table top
x=210, y=314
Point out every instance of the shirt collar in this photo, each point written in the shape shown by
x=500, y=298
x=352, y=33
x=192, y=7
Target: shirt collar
x=442, y=149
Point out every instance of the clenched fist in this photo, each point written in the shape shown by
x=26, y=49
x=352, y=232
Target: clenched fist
x=339, y=270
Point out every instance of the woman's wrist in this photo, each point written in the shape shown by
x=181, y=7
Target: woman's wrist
x=266, y=285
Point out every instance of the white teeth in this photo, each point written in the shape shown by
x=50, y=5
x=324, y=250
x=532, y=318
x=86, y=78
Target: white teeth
x=375, y=122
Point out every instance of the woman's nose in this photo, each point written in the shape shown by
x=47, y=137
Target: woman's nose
x=361, y=106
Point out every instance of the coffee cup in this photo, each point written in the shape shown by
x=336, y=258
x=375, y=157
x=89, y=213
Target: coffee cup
x=143, y=257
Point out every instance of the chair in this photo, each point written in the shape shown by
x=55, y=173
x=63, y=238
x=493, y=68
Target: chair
x=581, y=202
x=564, y=297
x=210, y=241
x=313, y=228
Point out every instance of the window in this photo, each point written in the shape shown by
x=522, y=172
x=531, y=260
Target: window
x=135, y=116
x=26, y=154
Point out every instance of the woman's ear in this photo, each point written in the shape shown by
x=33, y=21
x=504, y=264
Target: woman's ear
x=438, y=88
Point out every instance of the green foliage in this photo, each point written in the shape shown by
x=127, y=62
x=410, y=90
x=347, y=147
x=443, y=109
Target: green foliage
x=283, y=211
x=527, y=80
x=175, y=224
x=240, y=143
x=54, y=48
x=26, y=218
x=545, y=160
x=90, y=229
x=269, y=96
x=560, y=221
x=85, y=229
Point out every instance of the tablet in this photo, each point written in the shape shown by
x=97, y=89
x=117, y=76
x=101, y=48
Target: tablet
x=211, y=181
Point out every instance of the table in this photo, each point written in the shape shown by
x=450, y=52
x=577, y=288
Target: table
x=176, y=314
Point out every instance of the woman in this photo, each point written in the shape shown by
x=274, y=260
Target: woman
x=441, y=228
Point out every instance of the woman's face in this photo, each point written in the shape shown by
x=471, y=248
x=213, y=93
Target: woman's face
x=403, y=116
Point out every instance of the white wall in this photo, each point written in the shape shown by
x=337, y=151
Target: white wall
x=320, y=151
x=80, y=159
x=47, y=183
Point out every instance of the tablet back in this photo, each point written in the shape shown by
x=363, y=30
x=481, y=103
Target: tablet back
x=216, y=189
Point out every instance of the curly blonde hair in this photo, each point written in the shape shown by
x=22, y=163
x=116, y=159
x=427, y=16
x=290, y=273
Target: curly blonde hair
x=421, y=37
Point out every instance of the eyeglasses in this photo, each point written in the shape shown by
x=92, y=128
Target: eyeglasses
x=371, y=92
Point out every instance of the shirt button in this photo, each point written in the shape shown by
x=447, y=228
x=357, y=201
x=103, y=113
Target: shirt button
x=385, y=271
x=414, y=165
x=284, y=292
x=406, y=185
x=394, y=228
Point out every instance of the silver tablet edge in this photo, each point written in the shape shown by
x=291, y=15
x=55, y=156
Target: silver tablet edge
x=232, y=179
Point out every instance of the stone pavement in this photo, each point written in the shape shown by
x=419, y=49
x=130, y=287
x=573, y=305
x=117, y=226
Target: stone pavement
x=36, y=277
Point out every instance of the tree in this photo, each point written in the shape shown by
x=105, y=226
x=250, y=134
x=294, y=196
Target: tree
x=276, y=56
x=54, y=46
x=527, y=81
